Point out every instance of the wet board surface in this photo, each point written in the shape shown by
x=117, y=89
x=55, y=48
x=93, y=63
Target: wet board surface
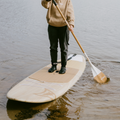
x=42, y=86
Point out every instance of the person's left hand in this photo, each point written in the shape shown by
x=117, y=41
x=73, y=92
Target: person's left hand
x=71, y=28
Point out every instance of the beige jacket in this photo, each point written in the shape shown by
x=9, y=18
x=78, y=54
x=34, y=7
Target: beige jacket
x=53, y=16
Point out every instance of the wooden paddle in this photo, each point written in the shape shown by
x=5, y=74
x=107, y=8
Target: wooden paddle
x=97, y=74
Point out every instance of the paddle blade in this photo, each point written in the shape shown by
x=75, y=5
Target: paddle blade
x=98, y=75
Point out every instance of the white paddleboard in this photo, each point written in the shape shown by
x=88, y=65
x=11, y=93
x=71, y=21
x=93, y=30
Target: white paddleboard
x=42, y=86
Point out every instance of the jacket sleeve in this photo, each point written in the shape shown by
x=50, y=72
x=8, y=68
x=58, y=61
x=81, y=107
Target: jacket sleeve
x=45, y=4
x=70, y=14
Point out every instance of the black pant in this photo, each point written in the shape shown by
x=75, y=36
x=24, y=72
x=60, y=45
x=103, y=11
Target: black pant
x=60, y=34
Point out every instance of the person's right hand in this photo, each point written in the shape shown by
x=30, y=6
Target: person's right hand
x=71, y=28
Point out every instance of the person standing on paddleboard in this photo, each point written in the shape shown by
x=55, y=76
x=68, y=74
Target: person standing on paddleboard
x=58, y=30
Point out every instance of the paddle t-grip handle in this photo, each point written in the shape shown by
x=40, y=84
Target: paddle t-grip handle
x=54, y=2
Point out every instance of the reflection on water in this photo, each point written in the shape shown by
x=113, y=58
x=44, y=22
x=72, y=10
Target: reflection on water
x=51, y=110
x=24, y=49
x=21, y=111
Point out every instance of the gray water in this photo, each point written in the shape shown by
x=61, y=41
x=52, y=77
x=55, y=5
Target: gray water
x=24, y=49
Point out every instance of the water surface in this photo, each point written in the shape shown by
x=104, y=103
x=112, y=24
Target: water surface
x=24, y=49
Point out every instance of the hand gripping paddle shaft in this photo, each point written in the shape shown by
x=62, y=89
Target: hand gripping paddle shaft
x=97, y=74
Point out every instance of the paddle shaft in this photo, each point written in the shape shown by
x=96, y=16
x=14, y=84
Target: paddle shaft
x=69, y=27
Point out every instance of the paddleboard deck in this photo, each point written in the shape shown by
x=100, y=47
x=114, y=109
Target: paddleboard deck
x=42, y=86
